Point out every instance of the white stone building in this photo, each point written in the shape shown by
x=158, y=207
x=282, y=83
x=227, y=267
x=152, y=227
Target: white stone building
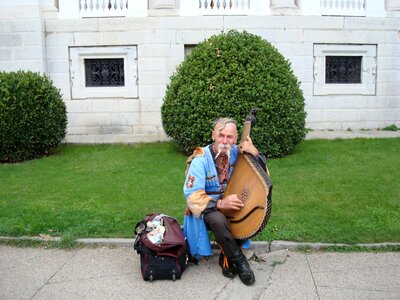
x=142, y=41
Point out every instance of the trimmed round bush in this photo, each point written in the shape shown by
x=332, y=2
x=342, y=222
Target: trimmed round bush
x=32, y=116
x=226, y=76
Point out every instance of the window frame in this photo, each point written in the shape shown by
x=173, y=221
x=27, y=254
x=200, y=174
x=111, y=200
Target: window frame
x=78, y=77
x=368, y=69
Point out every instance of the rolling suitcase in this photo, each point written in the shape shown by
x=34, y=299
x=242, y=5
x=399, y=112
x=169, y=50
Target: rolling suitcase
x=162, y=247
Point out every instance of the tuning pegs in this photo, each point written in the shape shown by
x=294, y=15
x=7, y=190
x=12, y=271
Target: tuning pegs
x=251, y=116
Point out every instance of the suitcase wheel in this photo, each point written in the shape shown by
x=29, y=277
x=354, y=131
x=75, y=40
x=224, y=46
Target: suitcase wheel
x=173, y=277
x=151, y=278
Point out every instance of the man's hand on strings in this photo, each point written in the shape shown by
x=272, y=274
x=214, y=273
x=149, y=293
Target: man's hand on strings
x=231, y=202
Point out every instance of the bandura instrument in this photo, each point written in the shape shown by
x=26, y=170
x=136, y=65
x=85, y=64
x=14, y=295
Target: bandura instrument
x=251, y=183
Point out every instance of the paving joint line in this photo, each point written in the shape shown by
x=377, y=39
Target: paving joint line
x=48, y=280
x=312, y=276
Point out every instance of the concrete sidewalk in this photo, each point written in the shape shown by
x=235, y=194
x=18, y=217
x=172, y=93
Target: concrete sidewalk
x=114, y=273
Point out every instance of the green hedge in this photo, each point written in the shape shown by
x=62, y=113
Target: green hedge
x=226, y=76
x=32, y=116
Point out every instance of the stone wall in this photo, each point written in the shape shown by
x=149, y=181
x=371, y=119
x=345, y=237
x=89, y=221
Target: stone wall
x=22, y=39
x=44, y=45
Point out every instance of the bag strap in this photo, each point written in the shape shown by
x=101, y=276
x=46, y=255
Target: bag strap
x=158, y=217
x=140, y=228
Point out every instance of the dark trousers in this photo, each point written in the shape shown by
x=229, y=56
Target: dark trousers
x=219, y=225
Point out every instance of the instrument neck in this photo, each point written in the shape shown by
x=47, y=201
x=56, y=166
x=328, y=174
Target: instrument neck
x=246, y=131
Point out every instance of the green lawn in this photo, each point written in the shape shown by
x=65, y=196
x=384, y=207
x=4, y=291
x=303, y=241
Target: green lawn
x=329, y=191
x=337, y=191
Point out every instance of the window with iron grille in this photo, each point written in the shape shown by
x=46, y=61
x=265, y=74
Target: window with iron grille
x=104, y=72
x=343, y=69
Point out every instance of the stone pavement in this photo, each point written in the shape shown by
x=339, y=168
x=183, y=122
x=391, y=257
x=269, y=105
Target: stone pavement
x=114, y=273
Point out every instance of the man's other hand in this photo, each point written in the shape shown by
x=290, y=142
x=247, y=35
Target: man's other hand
x=247, y=146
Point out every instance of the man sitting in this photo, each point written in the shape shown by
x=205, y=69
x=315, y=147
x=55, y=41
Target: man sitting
x=208, y=173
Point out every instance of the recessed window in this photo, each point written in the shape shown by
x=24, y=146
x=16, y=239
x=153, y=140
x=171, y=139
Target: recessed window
x=103, y=72
x=342, y=69
x=188, y=49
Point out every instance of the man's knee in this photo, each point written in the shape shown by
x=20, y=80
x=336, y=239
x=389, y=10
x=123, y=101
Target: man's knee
x=216, y=219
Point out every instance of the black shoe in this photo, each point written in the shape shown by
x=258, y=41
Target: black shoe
x=228, y=269
x=246, y=275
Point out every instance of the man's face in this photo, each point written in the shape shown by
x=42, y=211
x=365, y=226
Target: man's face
x=226, y=136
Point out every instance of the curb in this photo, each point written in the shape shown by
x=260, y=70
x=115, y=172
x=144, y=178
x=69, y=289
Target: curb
x=289, y=245
x=257, y=246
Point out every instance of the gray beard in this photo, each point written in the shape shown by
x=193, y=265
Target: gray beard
x=222, y=147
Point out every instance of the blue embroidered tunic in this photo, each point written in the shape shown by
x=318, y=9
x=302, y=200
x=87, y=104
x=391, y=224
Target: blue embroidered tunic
x=202, y=175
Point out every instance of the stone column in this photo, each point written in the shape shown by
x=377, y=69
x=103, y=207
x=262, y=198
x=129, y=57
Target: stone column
x=163, y=7
x=284, y=7
x=392, y=8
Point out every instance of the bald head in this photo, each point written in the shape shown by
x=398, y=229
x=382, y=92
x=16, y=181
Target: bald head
x=221, y=123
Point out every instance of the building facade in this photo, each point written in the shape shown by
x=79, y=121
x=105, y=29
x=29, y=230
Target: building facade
x=112, y=59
